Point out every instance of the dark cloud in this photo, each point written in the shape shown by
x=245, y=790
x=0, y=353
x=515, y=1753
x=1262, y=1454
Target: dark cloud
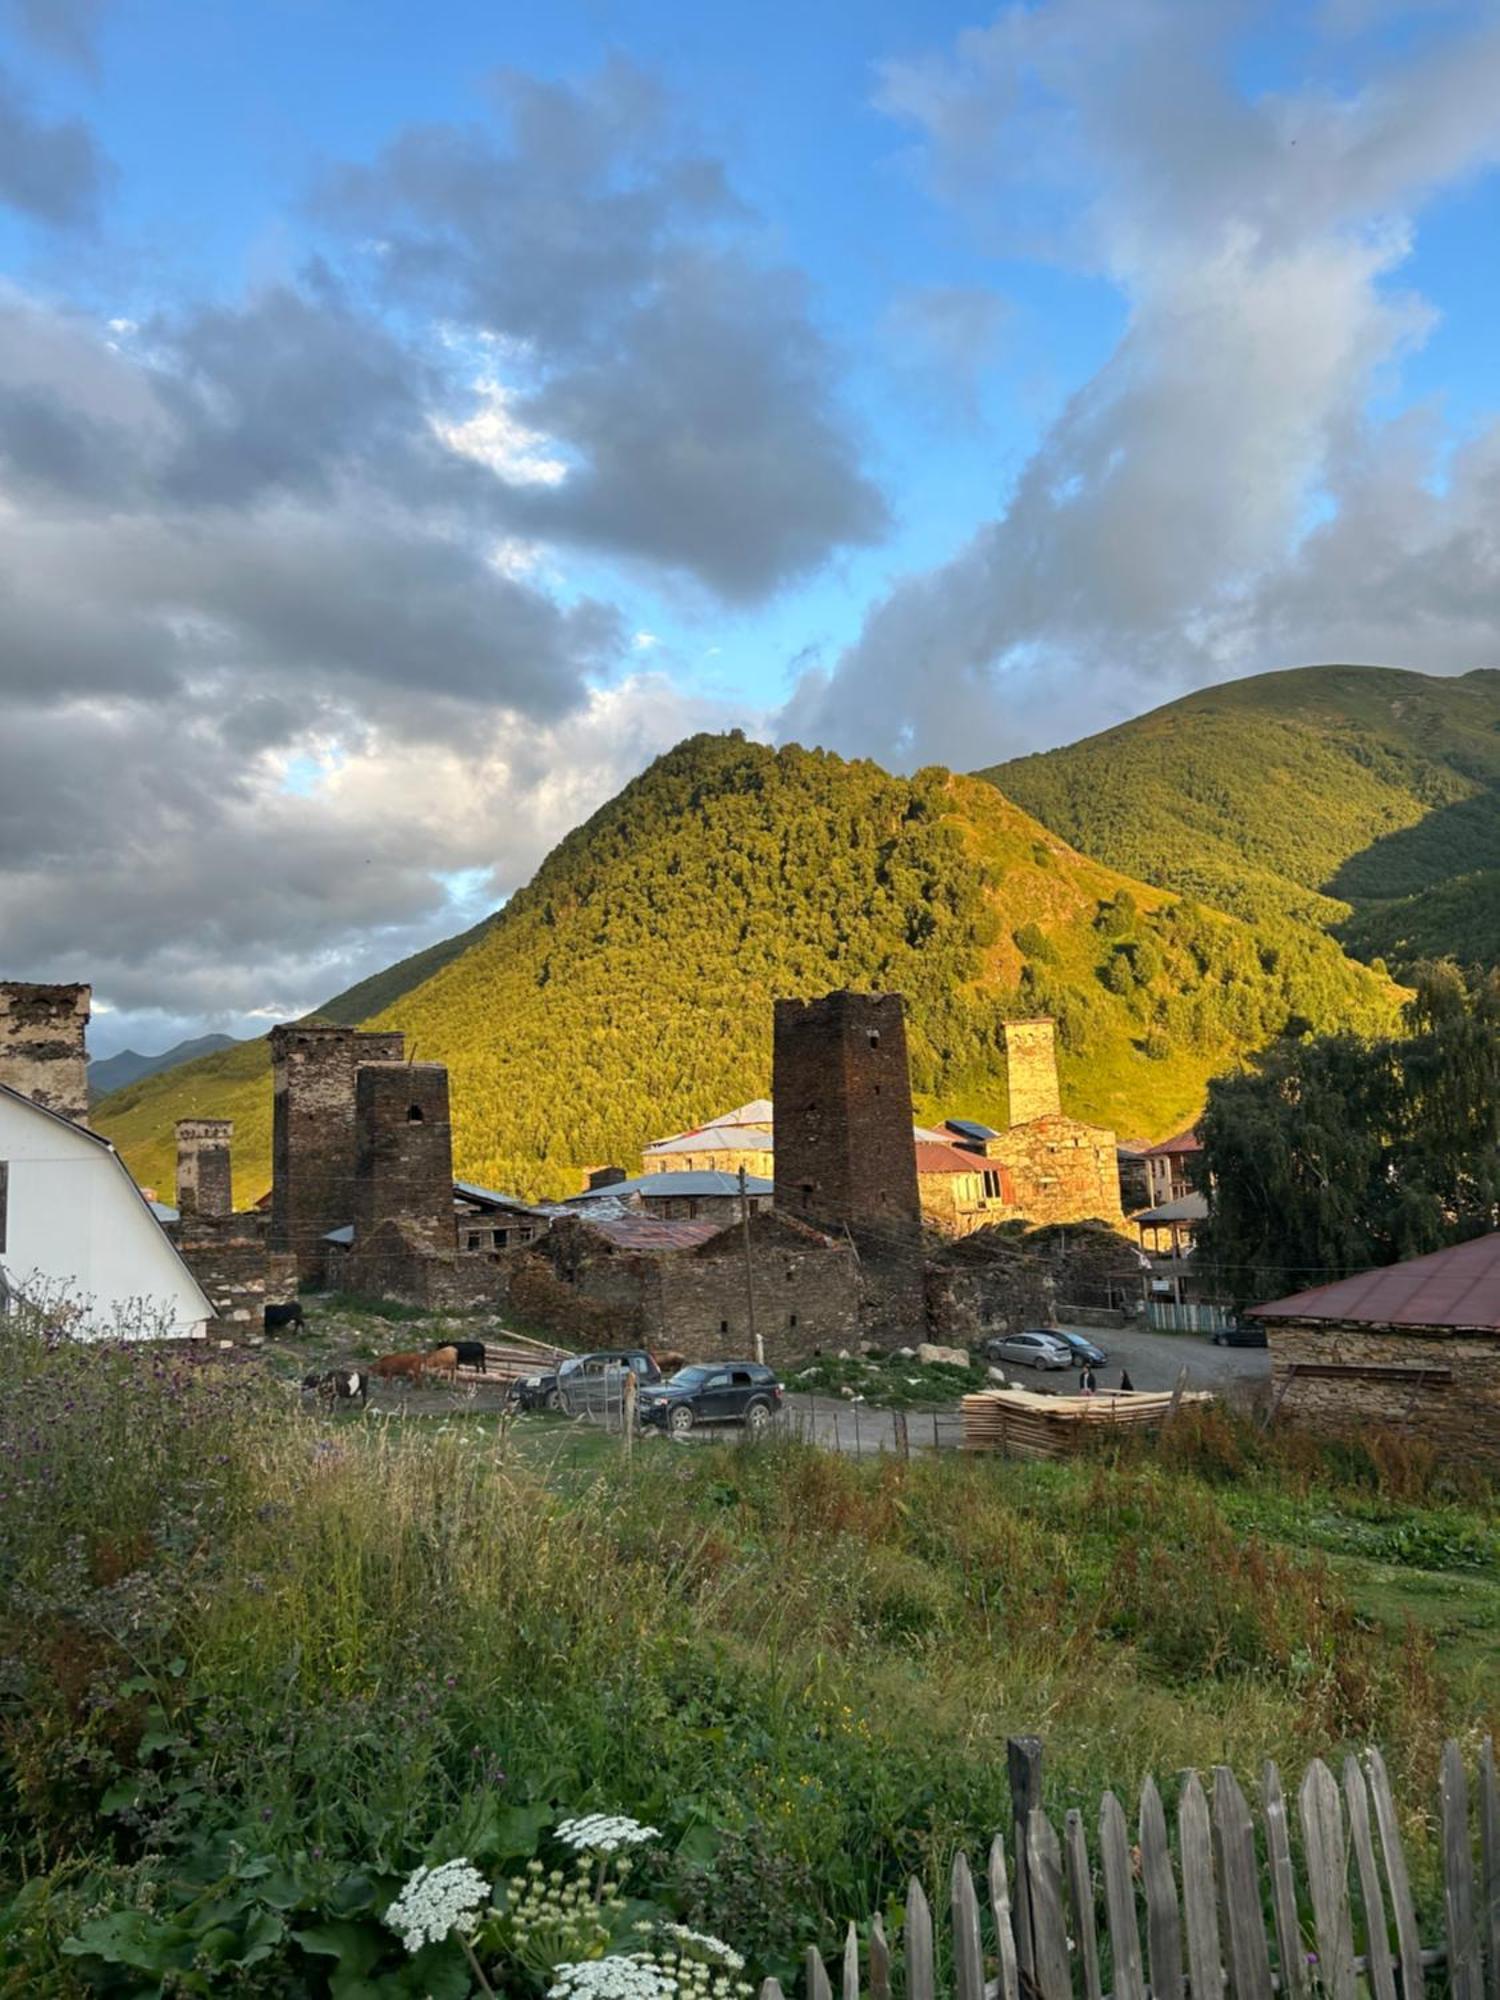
x=50, y=171
x=67, y=30
x=683, y=374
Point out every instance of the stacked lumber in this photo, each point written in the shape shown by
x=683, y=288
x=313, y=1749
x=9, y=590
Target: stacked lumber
x=508, y=1359
x=1028, y=1424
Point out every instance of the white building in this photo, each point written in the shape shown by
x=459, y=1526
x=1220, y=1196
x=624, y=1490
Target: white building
x=76, y=1231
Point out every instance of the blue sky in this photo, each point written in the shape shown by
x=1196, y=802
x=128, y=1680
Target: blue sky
x=413, y=420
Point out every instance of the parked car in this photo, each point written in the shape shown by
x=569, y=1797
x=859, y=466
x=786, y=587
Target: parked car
x=585, y=1382
x=1241, y=1333
x=713, y=1392
x=1085, y=1353
x=1036, y=1347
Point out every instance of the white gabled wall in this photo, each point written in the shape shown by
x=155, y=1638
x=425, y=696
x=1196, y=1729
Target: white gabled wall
x=76, y=1224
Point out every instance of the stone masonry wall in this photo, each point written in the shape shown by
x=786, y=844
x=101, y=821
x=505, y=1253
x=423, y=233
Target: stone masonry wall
x=203, y=1166
x=404, y=1153
x=1461, y=1416
x=227, y=1254
x=1031, y=1070
x=43, y=1045
x=807, y=1297
x=313, y=1133
x=1061, y=1170
x=842, y=1091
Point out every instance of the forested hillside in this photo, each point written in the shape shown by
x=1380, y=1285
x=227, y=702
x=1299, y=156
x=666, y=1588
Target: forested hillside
x=627, y=990
x=1365, y=797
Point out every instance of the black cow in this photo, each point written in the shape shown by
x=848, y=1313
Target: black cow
x=346, y=1384
x=470, y=1354
x=278, y=1317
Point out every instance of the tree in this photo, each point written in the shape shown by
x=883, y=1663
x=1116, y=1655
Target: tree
x=1334, y=1153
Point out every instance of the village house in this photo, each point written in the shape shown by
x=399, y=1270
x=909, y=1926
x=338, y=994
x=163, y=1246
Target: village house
x=78, y=1239
x=679, y=1197
x=1413, y=1347
x=1170, y=1168
x=1042, y=1166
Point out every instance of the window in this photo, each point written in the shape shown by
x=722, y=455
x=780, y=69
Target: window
x=500, y=1238
x=874, y=1038
x=992, y=1185
x=471, y=1241
x=527, y=1234
x=791, y=1320
x=414, y=1114
x=807, y=1194
x=723, y=1326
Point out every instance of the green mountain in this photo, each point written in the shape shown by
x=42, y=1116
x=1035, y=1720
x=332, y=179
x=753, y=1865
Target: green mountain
x=627, y=990
x=1365, y=798
x=129, y=1065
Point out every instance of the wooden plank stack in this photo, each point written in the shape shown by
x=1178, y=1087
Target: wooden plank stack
x=508, y=1359
x=1234, y=1929
x=1028, y=1424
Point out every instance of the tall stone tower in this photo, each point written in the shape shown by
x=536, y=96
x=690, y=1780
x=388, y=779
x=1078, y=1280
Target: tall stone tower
x=43, y=1045
x=1031, y=1070
x=842, y=1091
x=204, y=1183
x=404, y=1154
x=313, y=1068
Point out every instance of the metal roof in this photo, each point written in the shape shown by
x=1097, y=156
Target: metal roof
x=470, y=1191
x=1186, y=1208
x=941, y=1159
x=718, y=1139
x=646, y=1232
x=344, y=1235
x=668, y=1186
x=971, y=1129
x=1184, y=1142
x=1457, y=1289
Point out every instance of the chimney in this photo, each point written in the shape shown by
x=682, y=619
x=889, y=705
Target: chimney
x=43, y=1051
x=1031, y=1070
x=204, y=1184
x=602, y=1177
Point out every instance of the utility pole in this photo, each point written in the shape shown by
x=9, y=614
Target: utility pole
x=755, y=1340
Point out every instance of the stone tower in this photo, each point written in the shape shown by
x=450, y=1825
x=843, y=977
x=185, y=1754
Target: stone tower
x=43, y=1051
x=842, y=1090
x=404, y=1154
x=1031, y=1070
x=204, y=1185
x=313, y=1068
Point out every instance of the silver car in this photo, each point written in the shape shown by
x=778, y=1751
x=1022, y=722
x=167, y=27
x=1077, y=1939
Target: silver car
x=1033, y=1350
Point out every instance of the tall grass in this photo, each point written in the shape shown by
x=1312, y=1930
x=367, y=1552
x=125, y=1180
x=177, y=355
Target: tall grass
x=351, y=1644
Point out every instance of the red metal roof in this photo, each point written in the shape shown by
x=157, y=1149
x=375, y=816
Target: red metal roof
x=1450, y=1288
x=1185, y=1142
x=938, y=1159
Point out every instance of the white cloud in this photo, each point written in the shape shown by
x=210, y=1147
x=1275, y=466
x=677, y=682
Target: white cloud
x=496, y=437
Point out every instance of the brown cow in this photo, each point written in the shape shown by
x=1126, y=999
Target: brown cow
x=400, y=1367
x=442, y=1361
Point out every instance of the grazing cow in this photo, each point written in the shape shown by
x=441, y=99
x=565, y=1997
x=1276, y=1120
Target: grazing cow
x=442, y=1361
x=276, y=1317
x=340, y=1384
x=400, y=1367
x=471, y=1354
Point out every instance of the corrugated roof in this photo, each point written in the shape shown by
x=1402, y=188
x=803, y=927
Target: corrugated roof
x=1457, y=1288
x=671, y=1186
x=970, y=1128
x=1185, y=1142
x=941, y=1159
x=1187, y=1208
x=471, y=1191
x=718, y=1139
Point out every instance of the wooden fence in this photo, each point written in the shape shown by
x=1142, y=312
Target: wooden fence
x=1230, y=1919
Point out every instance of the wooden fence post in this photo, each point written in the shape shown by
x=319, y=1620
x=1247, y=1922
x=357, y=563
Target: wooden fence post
x=1023, y=1756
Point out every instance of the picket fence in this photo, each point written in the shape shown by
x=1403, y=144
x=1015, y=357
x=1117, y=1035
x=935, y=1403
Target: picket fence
x=1242, y=1927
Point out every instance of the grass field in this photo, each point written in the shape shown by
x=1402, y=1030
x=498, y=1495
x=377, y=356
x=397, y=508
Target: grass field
x=259, y=1663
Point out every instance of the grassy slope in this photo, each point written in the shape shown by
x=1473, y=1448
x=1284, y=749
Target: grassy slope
x=1313, y=789
x=628, y=989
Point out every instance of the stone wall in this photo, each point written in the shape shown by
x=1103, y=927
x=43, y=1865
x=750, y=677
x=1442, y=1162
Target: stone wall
x=1375, y=1380
x=842, y=1091
x=204, y=1179
x=1061, y=1170
x=403, y=1162
x=240, y=1276
x=1031, y=1070
x=313, y=1070
x=43, y=1045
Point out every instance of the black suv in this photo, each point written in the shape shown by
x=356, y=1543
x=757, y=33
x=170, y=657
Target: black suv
x=712, y=1392
x=586, y=1382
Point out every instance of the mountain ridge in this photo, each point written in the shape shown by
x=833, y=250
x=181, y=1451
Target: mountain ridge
x=628, y=987
x=126, y=1066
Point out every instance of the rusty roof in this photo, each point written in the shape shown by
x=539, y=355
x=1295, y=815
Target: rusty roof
x=647, y=1232
x=1457, y=1288
x=938, y=1159
x=1184, y=1142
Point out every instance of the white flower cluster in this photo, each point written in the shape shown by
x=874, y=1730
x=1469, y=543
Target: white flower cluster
x=698, y=1944
x=636, y=1977
x=436, y=1901
x=551, y=1917
x=605, y=1833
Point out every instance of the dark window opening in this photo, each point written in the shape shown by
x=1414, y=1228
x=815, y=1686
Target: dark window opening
x=877, y=1090
x=791, y=1319
x=414, y=1114
x=501, y=1237
x=723, y=1326
x=471, y=1241
x=874, y=1038
x=807, y=1194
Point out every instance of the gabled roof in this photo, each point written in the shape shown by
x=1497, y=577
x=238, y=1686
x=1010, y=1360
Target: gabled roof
x=1187, y=1208
x=717, y=1139
x=646, y=1232
x=669, y=1186
x=1185, y=1142
x=98, y=1139
x=941, y=1159
x=488, y=1198
x=1455, y=1289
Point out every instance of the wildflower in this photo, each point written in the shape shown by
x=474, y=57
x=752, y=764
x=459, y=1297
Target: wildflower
x=605, y=1833
x=637, y=1977
x=699, y=1944
x=436, y=1901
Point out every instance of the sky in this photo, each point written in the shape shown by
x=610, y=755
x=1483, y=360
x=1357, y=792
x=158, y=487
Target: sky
x=413, y=420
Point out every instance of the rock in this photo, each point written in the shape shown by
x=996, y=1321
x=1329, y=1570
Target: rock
x=953, y=1357
x=905, y=1354
x=845, y=1355
x=847, y=1392
x=870, y=1349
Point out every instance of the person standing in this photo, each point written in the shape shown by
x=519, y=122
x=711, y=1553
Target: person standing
x=1127, y=1387
x=1086, y=1383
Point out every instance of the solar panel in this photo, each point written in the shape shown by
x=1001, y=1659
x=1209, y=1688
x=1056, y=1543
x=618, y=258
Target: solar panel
x=971, y=1130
